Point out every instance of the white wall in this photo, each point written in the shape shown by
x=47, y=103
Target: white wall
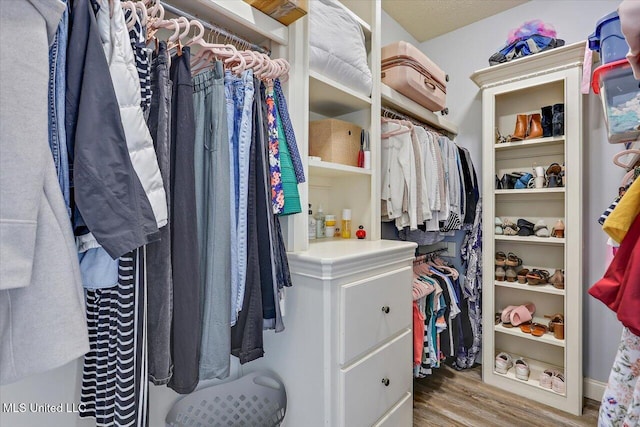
x=393, y=32
x=467, y=49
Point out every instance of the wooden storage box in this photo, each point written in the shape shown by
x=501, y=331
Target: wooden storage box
x=335, y=141
x=283, y=11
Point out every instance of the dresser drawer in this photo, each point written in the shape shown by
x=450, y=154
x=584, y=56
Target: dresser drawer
x=371, y=386
x=372, y=310
x=401, y=415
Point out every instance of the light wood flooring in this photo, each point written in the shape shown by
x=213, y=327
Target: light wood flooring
x=449, y=398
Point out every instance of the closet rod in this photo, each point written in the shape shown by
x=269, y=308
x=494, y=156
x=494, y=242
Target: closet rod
x=429, y=255
x=396, y=114
x=209, y=26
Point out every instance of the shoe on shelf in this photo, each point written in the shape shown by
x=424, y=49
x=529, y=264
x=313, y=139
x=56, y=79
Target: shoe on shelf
x=520, y=132
x=557, y=383
x=511, y=275
x=505, y=317
x=500, y=274
x=556, y=325
x=504, y=362
x=541, y=230
x=535, y=126
x=538, y=329
x=513, y=260
x=522, y=314
x=557, y=279
x=522, y=276
x=558, y=229
x=510, y=230
x=498, y=223
x=546, y=121
x=522, y=369
x=525, y=227
x=501, y=259
x=538, y=277
x=546, y=378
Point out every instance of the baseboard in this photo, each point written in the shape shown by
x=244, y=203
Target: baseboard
x=593, y=389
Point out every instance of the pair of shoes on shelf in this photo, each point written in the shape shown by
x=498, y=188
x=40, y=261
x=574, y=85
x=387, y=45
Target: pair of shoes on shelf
x=499, y=227
x=528, y=126
x=552, y=120
x=504, y=362
x=525, y=228
x=515, y=315
x=555, y=173
x=556, y=325
x=537, y=277
x=534, y=328
x=553, y=380
x=541, y=229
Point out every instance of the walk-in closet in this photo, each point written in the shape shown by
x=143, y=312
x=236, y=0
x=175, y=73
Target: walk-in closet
x=306, y=213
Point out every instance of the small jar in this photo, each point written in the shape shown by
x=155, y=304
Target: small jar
x=330, y=225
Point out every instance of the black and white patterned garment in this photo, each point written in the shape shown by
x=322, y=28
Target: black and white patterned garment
x=114, y=378
x=141, y=53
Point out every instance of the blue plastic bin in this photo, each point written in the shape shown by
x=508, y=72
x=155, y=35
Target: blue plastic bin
x=608, y=39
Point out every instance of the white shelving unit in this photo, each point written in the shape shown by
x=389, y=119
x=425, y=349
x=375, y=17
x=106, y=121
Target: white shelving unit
x=523, y=87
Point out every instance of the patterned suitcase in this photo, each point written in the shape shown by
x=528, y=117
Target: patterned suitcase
x=410, y=72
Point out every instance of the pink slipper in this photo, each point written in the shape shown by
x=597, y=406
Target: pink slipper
x=506, y=313
x=522, y=314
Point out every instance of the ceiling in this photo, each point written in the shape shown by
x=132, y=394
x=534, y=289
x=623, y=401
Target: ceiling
x=426, y=19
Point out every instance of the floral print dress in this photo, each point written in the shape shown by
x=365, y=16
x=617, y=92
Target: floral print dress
x=621, y=400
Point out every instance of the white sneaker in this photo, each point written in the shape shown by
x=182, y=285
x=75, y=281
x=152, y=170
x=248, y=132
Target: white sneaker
x=557, y=383
x=522, y=369
x=504, y=362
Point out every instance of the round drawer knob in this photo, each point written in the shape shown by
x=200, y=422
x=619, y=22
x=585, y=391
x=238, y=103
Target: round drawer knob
x=386, y=309
x=386, y=382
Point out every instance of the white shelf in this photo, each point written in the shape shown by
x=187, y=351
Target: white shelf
x=532, y=239
x=536, y=368
x=546, y=289
x=547, y=338
x=335, y=170
x=238, y=17
x=552, y=140
x=531, y=191
x=397, y=101
x=331, y=98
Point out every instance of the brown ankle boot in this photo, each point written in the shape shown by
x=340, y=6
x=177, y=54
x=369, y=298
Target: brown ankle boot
x=521, y=128
x=535, y=126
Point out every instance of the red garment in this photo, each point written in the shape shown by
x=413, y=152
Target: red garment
x=418, y=335
x=619, y=289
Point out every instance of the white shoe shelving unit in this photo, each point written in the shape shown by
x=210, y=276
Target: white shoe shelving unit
x=524, y=86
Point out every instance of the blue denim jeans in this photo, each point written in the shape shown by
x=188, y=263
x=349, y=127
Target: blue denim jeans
x=57, y=88
x=239, y=93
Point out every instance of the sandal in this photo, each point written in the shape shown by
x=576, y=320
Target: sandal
x=505, y=316
x=526, y=327
x=538, y=329
x=538, y=277
x=513, y=260
x=557, y=280
x=500, y=274
x=522, y=314
x=501, y=257
x=522, y=276
x=558, y=229
x=554, y=169
x=541, y=229
x=498, y=317
x=511, y=275
x=506, y=222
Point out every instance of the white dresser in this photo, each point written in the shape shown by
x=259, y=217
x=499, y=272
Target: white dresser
x=346, y=354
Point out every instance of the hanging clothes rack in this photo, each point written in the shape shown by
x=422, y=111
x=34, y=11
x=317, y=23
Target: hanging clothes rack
x=209, y=26
x=393, y=114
